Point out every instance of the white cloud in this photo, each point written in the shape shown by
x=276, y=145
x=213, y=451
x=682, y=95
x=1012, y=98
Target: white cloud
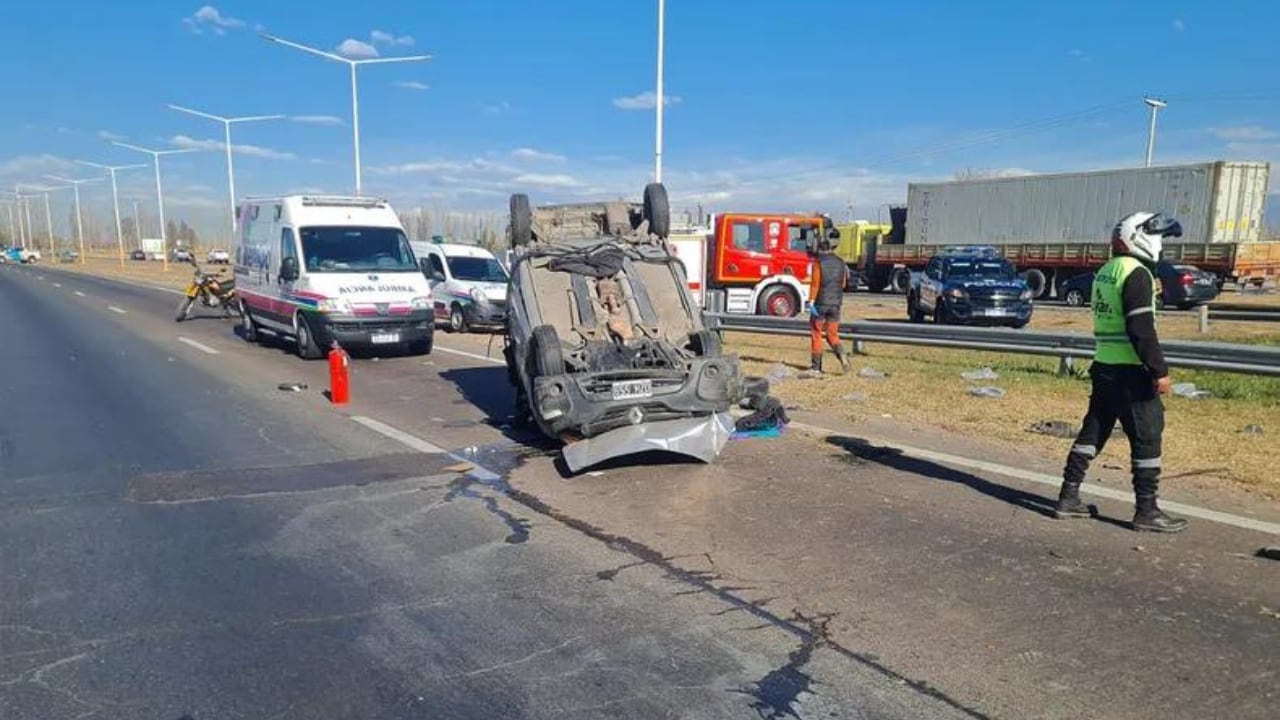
x=1079, y=54
x=647, y=100
x=412, y=85
x=318, y=119
x=35, y=166
x=539, y=180
x=387, y=39
x=184, y=141
x=357, y=49
x=531, y=155
x=1245, y=132
x=499, y=108
x=195, y=202
x=110, y=136
x=209, y=18
x=1179, y=25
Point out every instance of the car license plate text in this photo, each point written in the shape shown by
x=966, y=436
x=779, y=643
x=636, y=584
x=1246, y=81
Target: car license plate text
x=381, y=338
x=632, y=389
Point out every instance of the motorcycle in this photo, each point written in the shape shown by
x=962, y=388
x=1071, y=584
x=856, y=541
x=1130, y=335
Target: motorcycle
x=212, y=292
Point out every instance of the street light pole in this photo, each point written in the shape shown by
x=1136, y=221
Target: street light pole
x=1156, y=106
x=355, y=95
x=17, y=199
x=661, y=100
x=226, y=127
x=115, y=199
x=75, y=185
x=155, y=155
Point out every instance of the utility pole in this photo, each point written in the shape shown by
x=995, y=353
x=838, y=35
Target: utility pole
x=1156, y=106
x=75, y=185
x=661, y=100
x=115, y=199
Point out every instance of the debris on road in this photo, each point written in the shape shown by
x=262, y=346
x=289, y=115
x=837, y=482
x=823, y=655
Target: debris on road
x=460, y=468
x=1055, y=428
x=1271, y=552
x=981, y=374
x=871, y=373
x=779, y=373
x=1190, y=392
x=1252, y=429
x=986, y=391
x=292, y=387
x=767, y=421
x=701, y=438
x=854, y=397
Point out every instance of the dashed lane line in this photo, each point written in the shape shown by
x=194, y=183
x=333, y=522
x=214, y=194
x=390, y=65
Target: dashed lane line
x=473, y=356
x=79, y=294
x=116, y=310
x=198, y=345
x=423, y=446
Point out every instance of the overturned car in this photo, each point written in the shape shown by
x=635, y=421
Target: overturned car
x=605, y=345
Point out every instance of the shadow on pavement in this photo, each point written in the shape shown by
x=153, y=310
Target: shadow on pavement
x=864, y=451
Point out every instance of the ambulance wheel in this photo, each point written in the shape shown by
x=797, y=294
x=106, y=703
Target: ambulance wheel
x=306, y=342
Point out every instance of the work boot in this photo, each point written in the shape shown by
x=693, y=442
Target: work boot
x=843, y=357
x=1069, y=503
x=815, y=363
x=1149, y=517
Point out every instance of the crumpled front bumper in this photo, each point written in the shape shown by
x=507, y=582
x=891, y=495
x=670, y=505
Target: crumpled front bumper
x=698, y=437
x=582, y=404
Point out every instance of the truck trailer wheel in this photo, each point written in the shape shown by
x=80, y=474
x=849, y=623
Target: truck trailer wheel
x=657, y=210
x=900, y=280
x=521, y=221
x=1036, y=282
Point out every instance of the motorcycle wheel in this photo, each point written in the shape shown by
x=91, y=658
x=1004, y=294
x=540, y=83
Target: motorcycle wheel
x=184, y=309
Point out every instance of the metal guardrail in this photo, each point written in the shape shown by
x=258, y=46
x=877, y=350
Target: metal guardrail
x=1243, y=312
x=1222, y=357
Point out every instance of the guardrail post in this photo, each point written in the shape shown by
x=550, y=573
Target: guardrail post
x=1204, y=319
x=1066, y=365
x=859, y=347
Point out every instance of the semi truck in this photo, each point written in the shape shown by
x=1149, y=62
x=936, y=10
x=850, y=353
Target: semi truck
x=1053, y=227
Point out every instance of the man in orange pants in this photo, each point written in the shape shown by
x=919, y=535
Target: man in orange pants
x=826, y=293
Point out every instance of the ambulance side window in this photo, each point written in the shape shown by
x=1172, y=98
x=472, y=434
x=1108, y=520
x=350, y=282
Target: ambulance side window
x=435, y=270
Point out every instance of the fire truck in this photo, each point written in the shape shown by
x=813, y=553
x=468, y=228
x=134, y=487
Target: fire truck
x=749, y=263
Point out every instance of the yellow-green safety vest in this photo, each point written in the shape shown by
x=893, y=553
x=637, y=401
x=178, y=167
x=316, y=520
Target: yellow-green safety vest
x=1113, y=346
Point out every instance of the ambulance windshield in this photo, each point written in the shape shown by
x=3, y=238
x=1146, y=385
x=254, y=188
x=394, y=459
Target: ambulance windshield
x=356, y=249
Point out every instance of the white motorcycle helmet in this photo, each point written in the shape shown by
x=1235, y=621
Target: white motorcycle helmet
x=1142, y=235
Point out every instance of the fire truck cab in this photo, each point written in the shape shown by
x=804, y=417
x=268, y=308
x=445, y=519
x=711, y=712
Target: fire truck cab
x=752, y=264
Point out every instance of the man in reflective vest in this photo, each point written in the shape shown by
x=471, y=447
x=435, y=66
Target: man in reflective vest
x=827, y=281
x=1129, y=373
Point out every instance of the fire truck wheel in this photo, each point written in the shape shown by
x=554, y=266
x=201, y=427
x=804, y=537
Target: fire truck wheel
x=657, y=210
x=779, y=301
x=521, y=220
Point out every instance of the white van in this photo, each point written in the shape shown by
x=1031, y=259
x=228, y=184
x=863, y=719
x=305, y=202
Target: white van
x=322, y=269
x=468, y=284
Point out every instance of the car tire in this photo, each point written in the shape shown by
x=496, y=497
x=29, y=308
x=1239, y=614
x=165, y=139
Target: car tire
x=521, y=221
x=779, y=301
x=1036, y=282
x=457, y=319
x=1160, y=304
x=940, y=313
x=544, y=349
x=657, y=210
x=422, y=347
x=249, y=328
x=914, y=313
x=900, y=280
x=1019, y=324
x=705, y=343
x=1074, y=297
x=305, y=341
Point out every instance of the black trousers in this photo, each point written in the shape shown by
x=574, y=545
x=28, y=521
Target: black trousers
x=1123, y=393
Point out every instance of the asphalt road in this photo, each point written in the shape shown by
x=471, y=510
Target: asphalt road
x=210, y=546
x=182, y=540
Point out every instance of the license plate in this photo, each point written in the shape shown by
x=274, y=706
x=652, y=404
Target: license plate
x=632, y=389
x=381, y=338
x=998, y=312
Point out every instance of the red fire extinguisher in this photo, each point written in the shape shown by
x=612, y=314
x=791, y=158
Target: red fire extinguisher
x=339, y=385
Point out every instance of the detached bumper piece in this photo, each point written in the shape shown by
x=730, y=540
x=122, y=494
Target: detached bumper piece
x=701, y=438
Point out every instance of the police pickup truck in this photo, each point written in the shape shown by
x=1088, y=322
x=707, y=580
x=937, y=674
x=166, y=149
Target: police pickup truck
x=969, y=286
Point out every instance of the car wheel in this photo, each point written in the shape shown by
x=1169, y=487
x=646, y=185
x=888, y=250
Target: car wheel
x=705, y=343
x=657, y=210
x=1019, y=324
x=940, y=313
x=1075, y=297
x=457, y=320
x=1159, y=301
x=521, y=221
x=913, y=310
x=779, y=301
x=422, y=347
x=544, y=347
x=306, y=342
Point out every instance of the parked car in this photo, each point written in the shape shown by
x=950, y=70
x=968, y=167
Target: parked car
x=1181, y=286
x=217, y=256
x=22, y=255
x=138, y=255
x=68, y=256
x=971, y=285
x=182, y=255
x=602, y=332
x=468, y=284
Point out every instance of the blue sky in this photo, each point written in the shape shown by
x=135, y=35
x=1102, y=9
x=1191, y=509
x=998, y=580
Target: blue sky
x=786, y=106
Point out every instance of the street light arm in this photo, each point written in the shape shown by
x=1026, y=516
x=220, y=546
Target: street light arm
x=197, y=113
x=73, y=182
x=406, y=58
x=303, y=48
x=133, y=147
x=255, y=118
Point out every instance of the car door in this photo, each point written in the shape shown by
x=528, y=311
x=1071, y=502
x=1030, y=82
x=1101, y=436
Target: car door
x=438, y=281
x=931, y=285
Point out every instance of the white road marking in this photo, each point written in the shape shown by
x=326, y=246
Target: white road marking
x=79, y=294
x=115, y=309
x=1055, y=481
x=473, y=356
x=199, y=346
x=57, y=284
x=416, y=443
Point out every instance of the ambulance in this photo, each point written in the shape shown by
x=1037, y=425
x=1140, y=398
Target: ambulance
x=326, y=270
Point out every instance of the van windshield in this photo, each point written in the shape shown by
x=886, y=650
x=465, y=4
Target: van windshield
x=477, y=269
x=356, y=249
